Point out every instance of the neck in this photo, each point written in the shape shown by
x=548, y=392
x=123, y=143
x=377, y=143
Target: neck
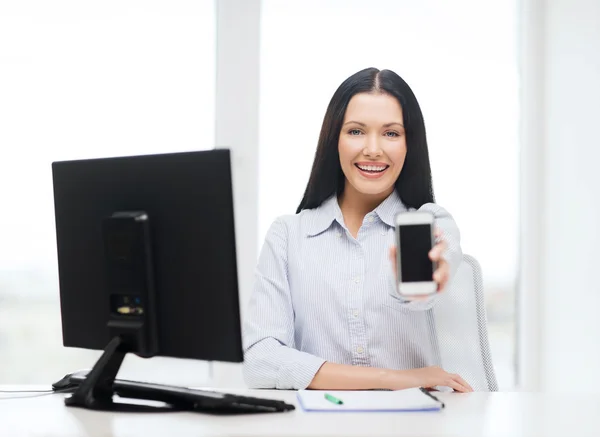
x=353, y=203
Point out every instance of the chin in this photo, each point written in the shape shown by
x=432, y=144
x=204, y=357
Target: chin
x=373, y=188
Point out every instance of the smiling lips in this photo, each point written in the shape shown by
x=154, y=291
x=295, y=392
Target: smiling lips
x=371, y=170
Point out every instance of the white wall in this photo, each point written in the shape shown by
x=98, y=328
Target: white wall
x=568, y=151
x=571, y=346
x=236, y=128
x=92, y=79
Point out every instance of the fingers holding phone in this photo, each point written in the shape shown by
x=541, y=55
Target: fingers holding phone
x=442, y=273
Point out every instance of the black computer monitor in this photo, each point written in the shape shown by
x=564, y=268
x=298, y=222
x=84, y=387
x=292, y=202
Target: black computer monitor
x=146, y=262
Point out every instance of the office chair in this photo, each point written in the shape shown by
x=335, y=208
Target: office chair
x=461, y=328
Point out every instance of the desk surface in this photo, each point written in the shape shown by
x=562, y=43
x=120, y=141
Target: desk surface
x=474, y=414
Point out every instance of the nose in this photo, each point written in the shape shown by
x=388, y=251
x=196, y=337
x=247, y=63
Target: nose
x=372, y=148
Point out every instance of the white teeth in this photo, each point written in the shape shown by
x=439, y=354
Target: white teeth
x=371, y=168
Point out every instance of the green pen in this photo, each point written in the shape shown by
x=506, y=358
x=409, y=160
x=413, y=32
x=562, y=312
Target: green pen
x=333, y=399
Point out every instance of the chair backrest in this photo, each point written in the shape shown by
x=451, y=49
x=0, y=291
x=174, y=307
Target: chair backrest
x=461, y=328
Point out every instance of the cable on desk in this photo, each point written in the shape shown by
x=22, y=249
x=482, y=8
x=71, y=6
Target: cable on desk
x=37, y=394
x=27, y=391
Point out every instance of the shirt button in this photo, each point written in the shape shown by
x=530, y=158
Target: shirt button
x=383, y=233
x=371, y=219
x=360, y=349
x=338, y=234
x=357, y=280
x=355, y=313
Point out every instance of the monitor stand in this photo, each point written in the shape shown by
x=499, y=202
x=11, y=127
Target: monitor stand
x=96, y=392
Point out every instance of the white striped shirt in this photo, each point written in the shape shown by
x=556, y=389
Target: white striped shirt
x=322, y=295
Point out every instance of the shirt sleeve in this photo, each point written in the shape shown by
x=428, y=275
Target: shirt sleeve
x=270, y=359
x=453, y=255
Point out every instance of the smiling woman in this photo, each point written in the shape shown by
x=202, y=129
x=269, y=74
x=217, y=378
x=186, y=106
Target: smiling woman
x=325, y=312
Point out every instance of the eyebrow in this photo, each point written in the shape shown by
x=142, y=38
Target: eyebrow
x=385, y=125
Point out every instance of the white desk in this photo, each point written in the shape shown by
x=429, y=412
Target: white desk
x=474, y=414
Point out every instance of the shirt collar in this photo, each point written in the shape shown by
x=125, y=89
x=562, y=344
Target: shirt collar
x=329, y=211
x=322, y=216
x=389, y=208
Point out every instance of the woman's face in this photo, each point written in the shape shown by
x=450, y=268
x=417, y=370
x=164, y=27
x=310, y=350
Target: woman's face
x=372, y=145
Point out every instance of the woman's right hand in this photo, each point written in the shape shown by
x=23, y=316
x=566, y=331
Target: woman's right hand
x=429, y=377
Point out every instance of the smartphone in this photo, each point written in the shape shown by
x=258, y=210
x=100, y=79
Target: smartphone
x=414, y=239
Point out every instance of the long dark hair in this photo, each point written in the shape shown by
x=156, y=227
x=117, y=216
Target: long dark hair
x=414, y=184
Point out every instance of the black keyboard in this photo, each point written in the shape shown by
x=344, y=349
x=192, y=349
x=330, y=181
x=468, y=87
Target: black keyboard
x=195, y=400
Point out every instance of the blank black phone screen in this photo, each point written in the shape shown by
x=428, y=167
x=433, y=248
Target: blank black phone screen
x=415, y=244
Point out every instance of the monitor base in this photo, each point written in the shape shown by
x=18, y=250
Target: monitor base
x=97, y=391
